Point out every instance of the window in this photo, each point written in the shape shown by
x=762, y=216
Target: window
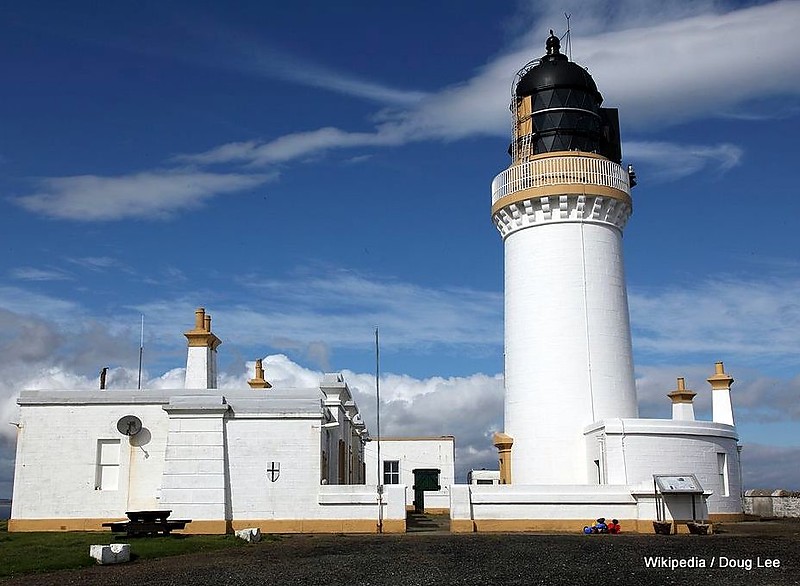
x=342, y=463
x=391, y=472
x=722, y=467
x=107, y=470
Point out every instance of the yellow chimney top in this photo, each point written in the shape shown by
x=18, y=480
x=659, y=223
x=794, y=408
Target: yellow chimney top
x=720, y=380
x=682, y=394
x=201, y=335
x=258, y=381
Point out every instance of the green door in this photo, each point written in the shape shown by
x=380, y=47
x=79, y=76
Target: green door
x=424, y=479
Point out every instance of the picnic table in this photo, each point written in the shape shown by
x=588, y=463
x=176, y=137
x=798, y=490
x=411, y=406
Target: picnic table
x=147, y=523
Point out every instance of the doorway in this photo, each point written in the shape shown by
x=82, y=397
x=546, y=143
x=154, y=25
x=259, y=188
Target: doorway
x=425, y=479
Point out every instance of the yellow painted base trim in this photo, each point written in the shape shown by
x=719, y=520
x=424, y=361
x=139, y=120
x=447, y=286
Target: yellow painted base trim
x=541, y=525
x=462, y=526
x=28, y=525
x=207, y=527
x=727, y=517
x=215, y=527
x=321, y=525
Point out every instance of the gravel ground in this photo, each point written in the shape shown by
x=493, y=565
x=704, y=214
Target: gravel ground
x=431, y=559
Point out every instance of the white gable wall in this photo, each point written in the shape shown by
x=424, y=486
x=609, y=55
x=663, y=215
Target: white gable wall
x=413, y=453
x=57, y=461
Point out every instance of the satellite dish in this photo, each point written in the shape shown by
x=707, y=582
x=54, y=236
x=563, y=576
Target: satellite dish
x=129, y=425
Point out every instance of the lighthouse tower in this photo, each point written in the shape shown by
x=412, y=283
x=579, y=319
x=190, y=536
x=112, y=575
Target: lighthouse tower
x=560, y=208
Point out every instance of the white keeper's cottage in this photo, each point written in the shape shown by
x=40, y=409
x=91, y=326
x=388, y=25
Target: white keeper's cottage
x=284, y=460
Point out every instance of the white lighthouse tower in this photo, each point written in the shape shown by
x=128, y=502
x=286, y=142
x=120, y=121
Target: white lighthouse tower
x=560, y=208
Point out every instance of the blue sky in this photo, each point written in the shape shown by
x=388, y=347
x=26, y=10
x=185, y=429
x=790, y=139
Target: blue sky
x=309, y=172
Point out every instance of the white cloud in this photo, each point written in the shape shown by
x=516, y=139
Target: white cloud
x=95, y=263
x=660, y=64
x=342, y=309
x=25, y=302
x=697, y=66
x=469, y=407
x=685, y=66
x=236, y=50
x=738, y=318
x=147, y=195
x=255, y=57
x=292, y=146
x=36, y=274
x=671, y=161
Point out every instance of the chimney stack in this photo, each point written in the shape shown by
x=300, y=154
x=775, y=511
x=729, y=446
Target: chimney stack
x=721, y=408
x=682, y=402
x=201, y=360
x=258, y=381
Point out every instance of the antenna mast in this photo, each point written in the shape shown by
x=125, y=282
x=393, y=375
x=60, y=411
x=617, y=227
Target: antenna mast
x=568, y=37
x=378, y=425
x=141, y=352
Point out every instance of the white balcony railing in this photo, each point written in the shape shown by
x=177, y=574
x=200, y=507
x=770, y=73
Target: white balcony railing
x=560, y=170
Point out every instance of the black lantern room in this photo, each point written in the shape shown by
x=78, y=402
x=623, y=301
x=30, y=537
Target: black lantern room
x=565, y=112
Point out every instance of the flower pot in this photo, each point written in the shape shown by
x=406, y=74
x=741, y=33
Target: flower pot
x=662, y=527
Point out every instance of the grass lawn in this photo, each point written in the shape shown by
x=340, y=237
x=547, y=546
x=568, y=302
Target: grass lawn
x=30, y=553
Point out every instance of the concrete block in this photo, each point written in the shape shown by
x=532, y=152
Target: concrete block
x=251, y=535
x=115, y=553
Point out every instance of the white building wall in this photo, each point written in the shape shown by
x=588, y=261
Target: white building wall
x=56, y=465
x=201, y=454
x=483, y=477
x=568, y=356
x=293, y=443
x=636, y=449
x=194, y=483
x=508, y=502
x=414, y=453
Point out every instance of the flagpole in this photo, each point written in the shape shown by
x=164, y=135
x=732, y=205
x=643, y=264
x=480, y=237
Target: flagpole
x=141, y=352
x=378, y=422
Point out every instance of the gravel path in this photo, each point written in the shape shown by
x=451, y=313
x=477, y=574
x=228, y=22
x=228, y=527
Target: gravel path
x=420, y=559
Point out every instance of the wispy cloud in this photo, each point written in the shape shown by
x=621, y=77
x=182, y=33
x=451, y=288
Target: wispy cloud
x=26, y=302
x=145, y=195
x=36, y=274
x=343, y=307
x=672, y=161
x=695, y=62
x=255, y=57
x=94, y=263
x=292, y=146
x=724, y=315
x=685, y=67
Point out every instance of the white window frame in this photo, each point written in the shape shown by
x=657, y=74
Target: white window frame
x=107, y=464
x=391, y=471
x=722, y=470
